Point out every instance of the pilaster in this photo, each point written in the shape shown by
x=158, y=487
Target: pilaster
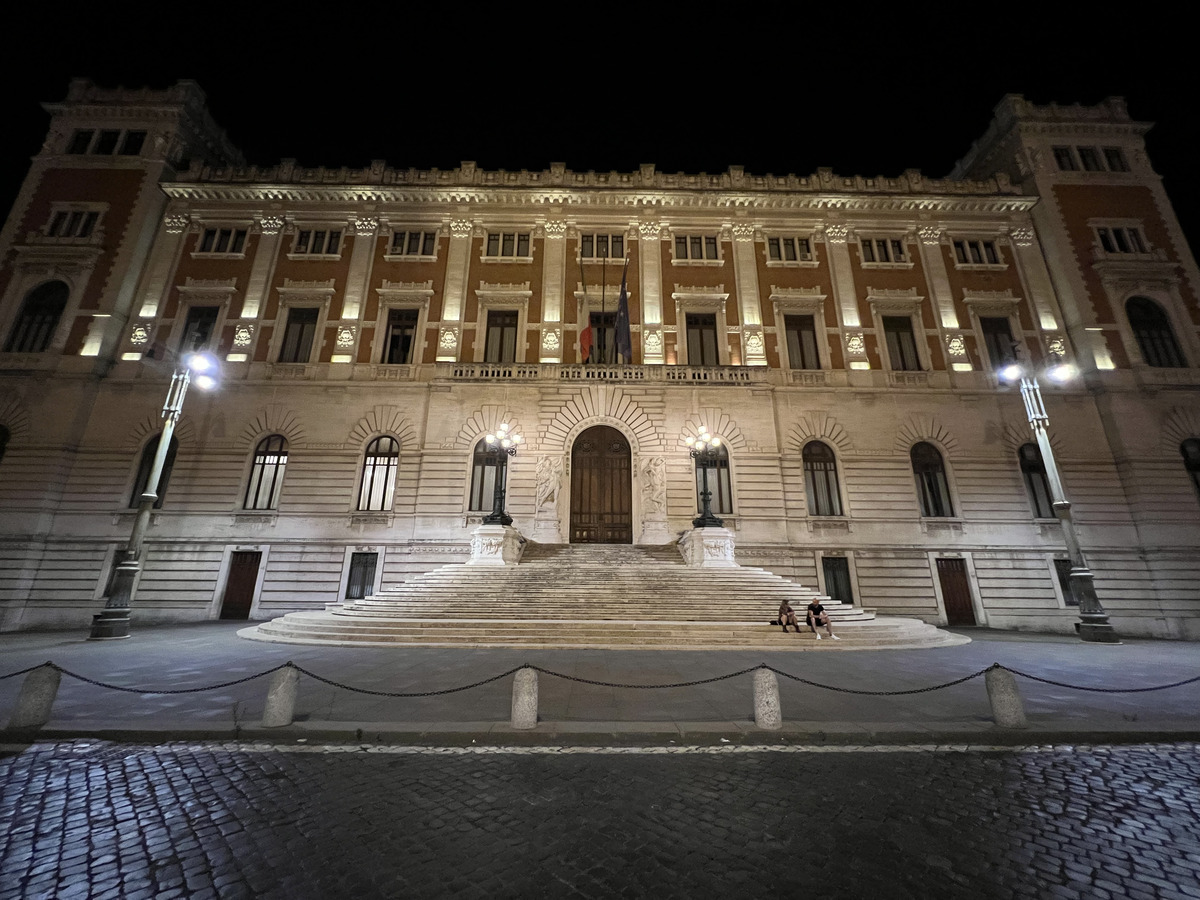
x=933, y=261
x=650, y=268
x=554, y=266
x=745, y=269
x=458, y=264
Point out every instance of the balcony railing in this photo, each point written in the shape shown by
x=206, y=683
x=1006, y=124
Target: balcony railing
x=714, y=375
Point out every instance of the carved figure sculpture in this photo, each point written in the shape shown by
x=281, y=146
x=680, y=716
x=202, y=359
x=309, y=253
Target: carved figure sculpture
x=654, y=485
x=549, y=482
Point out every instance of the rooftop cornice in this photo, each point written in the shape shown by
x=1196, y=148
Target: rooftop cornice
x=813, y=200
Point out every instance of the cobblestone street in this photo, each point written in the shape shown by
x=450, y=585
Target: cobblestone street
x=98, y=819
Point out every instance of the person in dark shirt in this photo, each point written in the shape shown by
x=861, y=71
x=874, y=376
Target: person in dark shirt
x=816, y=617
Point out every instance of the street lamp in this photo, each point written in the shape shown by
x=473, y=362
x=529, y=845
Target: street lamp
x=705, y=449
x=113, y=622
x=500, y=445
x=1093, y=623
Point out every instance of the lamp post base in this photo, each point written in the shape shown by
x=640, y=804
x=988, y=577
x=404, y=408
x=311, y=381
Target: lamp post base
x=1097, y=633
x=110, y=625
x=1093, y=625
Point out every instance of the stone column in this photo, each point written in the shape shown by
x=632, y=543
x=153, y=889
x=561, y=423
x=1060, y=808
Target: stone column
x=745, y=267
x=554, y=267
x=454, y=298
x=650, y=267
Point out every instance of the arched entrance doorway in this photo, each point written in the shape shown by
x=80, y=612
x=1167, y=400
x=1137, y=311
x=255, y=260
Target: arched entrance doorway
x=601, y=488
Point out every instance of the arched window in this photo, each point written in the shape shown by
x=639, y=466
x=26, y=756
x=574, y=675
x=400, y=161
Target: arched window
x=1154, y=335
x=1033, y=470
x=379, y=474
x=266, y=474
x=483, y=478
x=38, y=318
x=721, y=502
x=5, y=434
x=143, y=475
x=820, y=480
x=932, y=487
x=1191, y=460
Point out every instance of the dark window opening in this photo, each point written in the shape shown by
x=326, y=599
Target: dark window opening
x=721, y=501
x=933, y=490
x=400, y=337
x=998, y=339
x=361, y=581
x=820, y=480
x=379, y=474
x=837, y=579
x=500, y=343
x=1037, y=485
x=299, y=335
x=38, y=319
x=1155, y=337
x=702, y=339
x=266, y=473
x=901, y=344
x=801, y=332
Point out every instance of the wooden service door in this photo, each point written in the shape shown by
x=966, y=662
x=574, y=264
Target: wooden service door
x=956, y=591
x=239, y=589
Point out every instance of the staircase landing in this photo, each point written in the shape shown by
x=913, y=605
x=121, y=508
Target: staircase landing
x=594, y=596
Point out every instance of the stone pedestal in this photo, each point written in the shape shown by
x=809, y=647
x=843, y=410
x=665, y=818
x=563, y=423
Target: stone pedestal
x=656, y=532
x=495, y=545
x=708, y=548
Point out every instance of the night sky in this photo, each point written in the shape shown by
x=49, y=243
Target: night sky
x=686, y=90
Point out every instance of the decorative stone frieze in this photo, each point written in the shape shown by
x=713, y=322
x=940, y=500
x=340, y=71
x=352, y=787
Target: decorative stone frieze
x=743, y=232
x=837, y=234
x=243, y=334
x=347, y=337
x=856, y=343
x=1022, y=237
x=461, y=228
x=1056, y=345
x=555, y=229
x=708, y=548
x=651, y=231
x=652, y=340
x=956, y=346
x=366, y=226
x=551, y=340
x=448, y=339
x=930, y=235
x=271, y=225
x=495, y=545
x=139, y=334
x=176, y=223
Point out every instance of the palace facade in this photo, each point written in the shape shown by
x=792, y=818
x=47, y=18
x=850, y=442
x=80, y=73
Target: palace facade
x=841, y=335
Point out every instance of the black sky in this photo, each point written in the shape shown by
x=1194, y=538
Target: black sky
x=863, y=90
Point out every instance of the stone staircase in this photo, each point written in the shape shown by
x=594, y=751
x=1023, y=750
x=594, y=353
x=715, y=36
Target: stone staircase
x=594, y=596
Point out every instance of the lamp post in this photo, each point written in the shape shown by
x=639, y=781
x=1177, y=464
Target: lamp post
x=1093, y=623
x=500, y=445
x=705, y=450
x=113, y=622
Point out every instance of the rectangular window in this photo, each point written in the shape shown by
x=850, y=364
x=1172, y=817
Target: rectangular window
x=789, y=249
x=901, y=344
x=398, y=342
x=1090, y=159
x=198, y=328
x=361, y=582
x=80, y=141
x=132, y=143
x=802, y=342
x=106, y=143
x=317, y=242
x=501, y=342
x=702, y=339
x=223, y=240
x=976, y=253
x=1065, y=158
x=602, y=246
x=883, y=250
x=508, y=244
x=414, y=243
x=696, y=247
x=1115, y=158
x=998, y=338
x=299, y=334
x=1121, y=239
x=73, y=223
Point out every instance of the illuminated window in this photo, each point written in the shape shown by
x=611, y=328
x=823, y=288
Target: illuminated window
x=696, y=247
x=266, y=473
x=484, y=466
x=222, y=240
x=602, y=246
x=933, y=490
x=413, y=243
x=1189, y=448
x=821, y=480
x=508, y=245
x=317, y=242
x=379, y=474
x=883, y=251
x=721, y=502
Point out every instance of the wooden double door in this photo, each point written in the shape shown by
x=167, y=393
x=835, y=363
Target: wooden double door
x=601, y=488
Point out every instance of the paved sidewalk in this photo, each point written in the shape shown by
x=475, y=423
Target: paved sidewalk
x=175, y=657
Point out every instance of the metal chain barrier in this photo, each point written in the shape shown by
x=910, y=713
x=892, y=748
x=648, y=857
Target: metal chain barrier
x=1100, y=690
x=597, y=683
x=841, y=690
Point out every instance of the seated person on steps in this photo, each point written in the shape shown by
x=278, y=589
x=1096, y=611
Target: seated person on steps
x=787, y=616
x=816, y=617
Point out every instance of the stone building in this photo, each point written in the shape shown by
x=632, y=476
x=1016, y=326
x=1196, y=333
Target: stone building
x=841, y=335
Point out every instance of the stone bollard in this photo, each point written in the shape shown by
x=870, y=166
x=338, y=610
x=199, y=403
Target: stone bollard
x=36, y=698
x=525, y=699
x=281, y=697
x=1007, y=708
x=767, y=714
